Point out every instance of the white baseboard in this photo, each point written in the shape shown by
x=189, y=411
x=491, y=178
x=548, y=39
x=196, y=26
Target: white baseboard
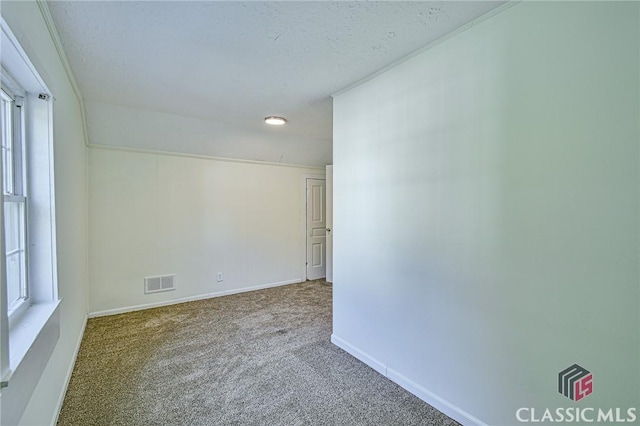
x=421, y=392
x=434, y=400
x=125, y=309
x=67, y=378
x=362, y=356
x=261, y=287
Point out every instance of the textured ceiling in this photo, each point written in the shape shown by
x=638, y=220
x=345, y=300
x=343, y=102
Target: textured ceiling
x=237, y=62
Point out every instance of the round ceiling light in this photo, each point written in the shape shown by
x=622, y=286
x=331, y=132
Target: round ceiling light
x=274, y=120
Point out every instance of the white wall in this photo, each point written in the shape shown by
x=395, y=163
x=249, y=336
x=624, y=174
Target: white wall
x=486, y=212
x=154, y=214
x=28, y=25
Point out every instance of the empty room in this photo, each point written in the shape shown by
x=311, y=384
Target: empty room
x=320, y=212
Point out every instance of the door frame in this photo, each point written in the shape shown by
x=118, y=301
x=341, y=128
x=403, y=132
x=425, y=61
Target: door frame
x=303, y=215
x=328, y=205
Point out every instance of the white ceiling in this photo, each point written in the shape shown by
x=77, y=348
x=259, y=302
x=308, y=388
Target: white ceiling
x=235, y=62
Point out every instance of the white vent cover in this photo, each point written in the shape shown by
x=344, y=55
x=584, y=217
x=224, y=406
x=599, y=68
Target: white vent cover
x=159, y=283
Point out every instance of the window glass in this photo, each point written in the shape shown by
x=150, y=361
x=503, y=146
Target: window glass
x=15, y=223
x=7, y=142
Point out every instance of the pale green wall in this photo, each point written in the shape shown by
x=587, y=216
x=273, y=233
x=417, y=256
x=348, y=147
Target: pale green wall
x=156, y=214
x=486, y=212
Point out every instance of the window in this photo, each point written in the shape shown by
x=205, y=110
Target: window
x=15, y=200
x=29, y=304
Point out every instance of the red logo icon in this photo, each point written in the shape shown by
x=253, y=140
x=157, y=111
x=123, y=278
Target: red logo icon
x=575, y=382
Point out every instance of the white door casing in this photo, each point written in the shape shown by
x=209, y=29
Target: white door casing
x=329, y=222
x=316, y=229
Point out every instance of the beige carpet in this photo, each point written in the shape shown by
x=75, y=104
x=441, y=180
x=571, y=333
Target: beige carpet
x=258, y=358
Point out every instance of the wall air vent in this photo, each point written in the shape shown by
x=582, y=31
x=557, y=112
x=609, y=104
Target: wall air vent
x=159, y=283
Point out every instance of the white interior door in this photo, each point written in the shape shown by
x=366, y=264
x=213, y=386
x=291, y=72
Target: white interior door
x=329, y=215
x=316, y=229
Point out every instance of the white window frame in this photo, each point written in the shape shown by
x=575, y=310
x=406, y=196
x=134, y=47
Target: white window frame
x=34, y=328
x=16, y=191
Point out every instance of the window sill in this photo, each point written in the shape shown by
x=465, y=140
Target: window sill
x=24, y=333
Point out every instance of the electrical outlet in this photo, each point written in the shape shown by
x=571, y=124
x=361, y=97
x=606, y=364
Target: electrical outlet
x=219, y=276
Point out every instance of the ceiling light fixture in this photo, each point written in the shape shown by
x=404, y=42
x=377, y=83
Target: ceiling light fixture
x=274, y=120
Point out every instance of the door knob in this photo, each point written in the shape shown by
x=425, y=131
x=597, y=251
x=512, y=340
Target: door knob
x=328, y=229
